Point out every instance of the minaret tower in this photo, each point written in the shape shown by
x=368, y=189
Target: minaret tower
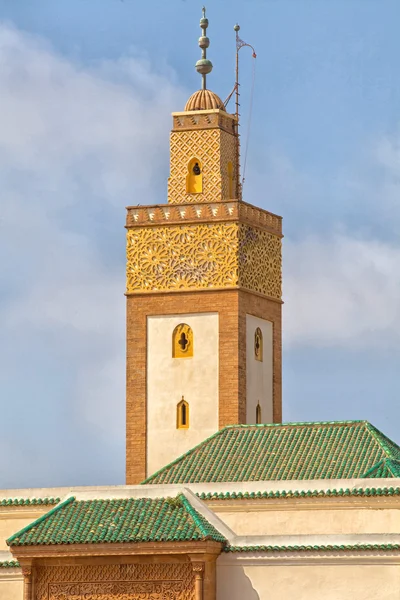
x=203, y=295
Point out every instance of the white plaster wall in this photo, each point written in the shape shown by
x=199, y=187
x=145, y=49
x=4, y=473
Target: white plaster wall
x=15, y=519
x=344, y=581
x=259, y=374
x=309, y=522
x=168, y=379
x=11, y=586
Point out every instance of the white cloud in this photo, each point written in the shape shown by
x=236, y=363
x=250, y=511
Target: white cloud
x=341, y=291
x=77, y=144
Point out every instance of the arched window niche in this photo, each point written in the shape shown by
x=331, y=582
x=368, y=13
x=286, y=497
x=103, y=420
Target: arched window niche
x=258, y=344
x=258, y=414
x=194, y=178
x=182, y=414
x=182, y=341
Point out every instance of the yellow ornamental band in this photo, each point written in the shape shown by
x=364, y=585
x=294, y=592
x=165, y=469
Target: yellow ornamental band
x=203, y=256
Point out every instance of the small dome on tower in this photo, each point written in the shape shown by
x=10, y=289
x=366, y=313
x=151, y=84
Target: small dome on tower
x=204, y=100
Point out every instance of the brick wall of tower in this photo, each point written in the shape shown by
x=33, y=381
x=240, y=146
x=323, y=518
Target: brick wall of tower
x=270, y=310
x=232, y=306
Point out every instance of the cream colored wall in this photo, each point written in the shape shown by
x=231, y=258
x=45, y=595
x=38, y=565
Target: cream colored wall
x=313, y=521
x=12, y=519
x=258, y=374
x=344, y=581
x=168, y=379
x=11, y=588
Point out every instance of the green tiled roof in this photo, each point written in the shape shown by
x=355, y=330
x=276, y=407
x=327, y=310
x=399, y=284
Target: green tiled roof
x=318, y=548
x=363, y=492
x=116, y=521
x=9, y=564
x=324, y=450
x=28, y=501
x=386, y=467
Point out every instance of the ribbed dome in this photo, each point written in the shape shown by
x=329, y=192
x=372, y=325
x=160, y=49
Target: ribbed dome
x=204, y=100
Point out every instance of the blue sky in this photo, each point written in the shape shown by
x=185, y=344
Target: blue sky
x=87, y=91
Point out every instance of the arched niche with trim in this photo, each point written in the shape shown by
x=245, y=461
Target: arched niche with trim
x=258, y=414
x=258, y=344
x=182, y=341
x=182, y=414
x=194, y=177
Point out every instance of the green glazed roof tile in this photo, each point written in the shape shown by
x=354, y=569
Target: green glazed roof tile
x=9, y=564
x=28, y=501
x=361, y=492
x=386, y=467
x=116, y=521
x=318, y=548
x=285, y=451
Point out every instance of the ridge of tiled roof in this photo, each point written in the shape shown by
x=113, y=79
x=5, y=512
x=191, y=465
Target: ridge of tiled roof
x=272, y=495
x=318, y=548
x=118, y=520
x=28, y=501
x=387, y=467
x=9, y=564
x=282, y=451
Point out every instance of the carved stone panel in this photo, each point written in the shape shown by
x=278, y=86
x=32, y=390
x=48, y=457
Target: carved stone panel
x=214, y=148
x=182, y=257
x=201, y=256
x=116, y=582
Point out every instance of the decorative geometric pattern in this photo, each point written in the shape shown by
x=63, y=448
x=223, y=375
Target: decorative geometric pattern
x=213, y=256
x=227, y=210
x=260, y=261
x=214, y=148
x=116, y=582
x=181, y=258
x=332, y=450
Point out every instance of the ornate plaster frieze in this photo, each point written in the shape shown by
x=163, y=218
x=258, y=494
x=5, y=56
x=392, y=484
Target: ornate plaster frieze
x=182, y=257
x=227, y=210
x=117, y=582
x=211, y=256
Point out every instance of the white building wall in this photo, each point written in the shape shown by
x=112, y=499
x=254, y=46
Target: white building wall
x=168, y=379
x=333, y=521
x=259, y=374
x=338, y=580
x=11, y=584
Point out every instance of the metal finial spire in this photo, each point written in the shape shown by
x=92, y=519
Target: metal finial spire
x=204, y=66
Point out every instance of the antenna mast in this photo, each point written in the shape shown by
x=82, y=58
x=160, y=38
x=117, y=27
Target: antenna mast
x=239, y=45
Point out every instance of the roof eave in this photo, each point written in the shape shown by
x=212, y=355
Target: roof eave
x=25, y=554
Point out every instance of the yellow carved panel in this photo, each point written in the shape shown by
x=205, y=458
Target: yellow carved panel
x=182, y=257
x=203, y=256
x=116, y=582
x=214, y=148
x=260, y=261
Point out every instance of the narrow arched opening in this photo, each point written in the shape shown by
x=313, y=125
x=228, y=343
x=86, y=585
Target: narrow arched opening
x=258, y=344
x=258, y=414
x=194, y=177
x=182, y=414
